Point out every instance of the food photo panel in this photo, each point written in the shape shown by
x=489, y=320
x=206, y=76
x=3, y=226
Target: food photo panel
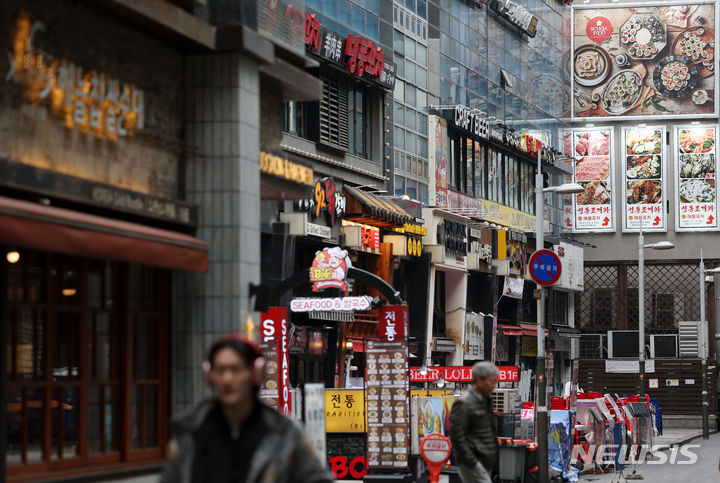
x=593, y=208
x=644, y=178
x=644, y=61
x=695, y=178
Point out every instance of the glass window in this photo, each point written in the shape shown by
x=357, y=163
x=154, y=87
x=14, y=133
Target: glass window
x=399, y=138
x=421, y=100
x=422, y=121
x=411, y=189
x=409, y=48
x=329, y=8
x=409, y=71
x=358, y=19
x=422, y=9
x=399, y=186
x=421, y=77
x=480, y=191
x=399, y=114
x=410, y=140
x=399, y=42
x=371, y=26
x=357, y=110
x=399, y=93
x=410, y=95
x=421, y=54
x=344, y=10
x=410, y=119
x=422, y=145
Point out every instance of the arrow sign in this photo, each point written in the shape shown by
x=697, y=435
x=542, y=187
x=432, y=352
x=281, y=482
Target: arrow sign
x=606, y=221
x=656, y=222
x=710, y=220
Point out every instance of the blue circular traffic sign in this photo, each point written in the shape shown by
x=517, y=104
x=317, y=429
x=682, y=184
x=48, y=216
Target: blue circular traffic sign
x=545, y=267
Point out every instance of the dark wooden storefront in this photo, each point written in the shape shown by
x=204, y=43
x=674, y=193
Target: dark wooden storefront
x=684, y=399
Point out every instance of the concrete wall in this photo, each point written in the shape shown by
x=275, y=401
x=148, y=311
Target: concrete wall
x=222, y=177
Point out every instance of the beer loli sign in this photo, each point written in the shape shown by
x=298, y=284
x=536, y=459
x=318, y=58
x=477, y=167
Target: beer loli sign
x=461, y=374
x=598, y=29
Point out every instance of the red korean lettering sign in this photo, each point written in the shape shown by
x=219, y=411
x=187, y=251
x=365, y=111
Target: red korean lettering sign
x=274, y=328
x=363, y=56
x=393, y=322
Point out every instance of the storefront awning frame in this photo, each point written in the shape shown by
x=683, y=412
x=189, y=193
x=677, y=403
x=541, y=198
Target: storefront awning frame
x=43, y=227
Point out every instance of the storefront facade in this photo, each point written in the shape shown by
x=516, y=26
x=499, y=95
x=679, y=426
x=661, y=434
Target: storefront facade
x=94, y=224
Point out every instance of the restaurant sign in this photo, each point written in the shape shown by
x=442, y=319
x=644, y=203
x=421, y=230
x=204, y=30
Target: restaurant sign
x=88, y=100
x=281, y=167
x=329, y=269
x=344, y=304
x=461, y=374
x=517, y=14
x=357, y=55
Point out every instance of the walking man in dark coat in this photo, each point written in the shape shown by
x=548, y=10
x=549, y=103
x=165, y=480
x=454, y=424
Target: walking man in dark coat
x=474, y=427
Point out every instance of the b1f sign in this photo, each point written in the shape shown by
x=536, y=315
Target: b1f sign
x=393, y=322
x=274, y=328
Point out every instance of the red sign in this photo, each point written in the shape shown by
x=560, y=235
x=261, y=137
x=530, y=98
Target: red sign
x=364, y=56
x=393, y=322
x=598, y=29
x=461, y=374
x=370, y=237
x=342, y=469
x=435, y=450
x=329, y=269
x=274, y=327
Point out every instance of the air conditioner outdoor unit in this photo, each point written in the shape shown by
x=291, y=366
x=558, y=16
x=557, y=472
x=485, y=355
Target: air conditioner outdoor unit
x=688, y=338
x=623, y=343
x=665, y=345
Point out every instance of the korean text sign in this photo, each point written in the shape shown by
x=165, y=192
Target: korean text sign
x=392, y=322
x=695, y=178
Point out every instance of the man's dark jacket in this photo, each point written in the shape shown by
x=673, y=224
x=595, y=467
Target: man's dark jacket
x=473, y=431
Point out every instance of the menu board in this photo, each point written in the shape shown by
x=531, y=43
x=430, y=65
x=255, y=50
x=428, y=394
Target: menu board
x=269, y=385
x=644, y=179
x=646, y=60
x=593, y=208
x=696, y=179
x=387, y=404
x=474, y=336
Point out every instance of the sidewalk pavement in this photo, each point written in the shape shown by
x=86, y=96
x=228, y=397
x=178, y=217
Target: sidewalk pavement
x=704, y=469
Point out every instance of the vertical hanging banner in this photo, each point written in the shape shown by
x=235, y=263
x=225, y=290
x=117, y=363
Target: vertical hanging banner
x=274, y=329
x=644, y=178
x=593, y=209
x=393, y=322
x=696, y=179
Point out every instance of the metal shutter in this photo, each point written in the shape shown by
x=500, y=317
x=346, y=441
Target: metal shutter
x=334, y=113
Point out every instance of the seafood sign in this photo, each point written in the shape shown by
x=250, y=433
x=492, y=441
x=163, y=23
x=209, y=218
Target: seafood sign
x=592, y=209
x=644, y=175
x=696, y=179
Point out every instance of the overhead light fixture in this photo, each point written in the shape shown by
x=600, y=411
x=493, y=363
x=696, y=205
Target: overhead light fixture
x=423, y=370
x=12, y=256
x=440, y=382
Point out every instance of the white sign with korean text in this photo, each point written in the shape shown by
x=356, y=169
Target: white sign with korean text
x=315, y=418
x=645, y=190
x=474, y=337
x=695, y=178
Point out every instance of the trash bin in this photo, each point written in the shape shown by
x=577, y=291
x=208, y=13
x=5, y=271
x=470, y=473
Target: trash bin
x=512, y=462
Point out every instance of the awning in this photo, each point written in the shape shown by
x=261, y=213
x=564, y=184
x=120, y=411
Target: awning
x=530, y=329
x=508, y=329
x=370, y=209
x=566, y=331
x=32, y=225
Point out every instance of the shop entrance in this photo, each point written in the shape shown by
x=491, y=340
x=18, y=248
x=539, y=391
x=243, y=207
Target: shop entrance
x=86, y=362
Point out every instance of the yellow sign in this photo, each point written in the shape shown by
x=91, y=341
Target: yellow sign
x=344, y=411
x=88, y=100
x=412, y=229
x=414, y=247
x=284, y=168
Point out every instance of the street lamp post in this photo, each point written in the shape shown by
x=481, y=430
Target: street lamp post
x=705, y=338
x=541, y=410
x=663, y=245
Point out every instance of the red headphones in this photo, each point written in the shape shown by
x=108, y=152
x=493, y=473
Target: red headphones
x=258, y=363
